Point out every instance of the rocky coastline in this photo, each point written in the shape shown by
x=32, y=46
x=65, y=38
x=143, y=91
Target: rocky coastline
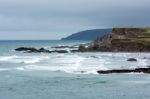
x=121, y=40
x=145, y=69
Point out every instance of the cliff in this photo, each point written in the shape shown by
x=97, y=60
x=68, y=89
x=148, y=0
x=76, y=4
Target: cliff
x=88, y=34
x=122, y=40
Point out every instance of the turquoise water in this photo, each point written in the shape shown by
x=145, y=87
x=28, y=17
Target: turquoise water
x=59, y=76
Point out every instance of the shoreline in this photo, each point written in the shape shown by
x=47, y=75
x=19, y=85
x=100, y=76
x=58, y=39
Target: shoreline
x=63, y=49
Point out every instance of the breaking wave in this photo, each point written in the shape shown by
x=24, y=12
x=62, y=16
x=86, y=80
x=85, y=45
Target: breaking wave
x=22, y=59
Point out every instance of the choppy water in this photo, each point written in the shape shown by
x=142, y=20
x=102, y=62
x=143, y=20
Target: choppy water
x=70, y=75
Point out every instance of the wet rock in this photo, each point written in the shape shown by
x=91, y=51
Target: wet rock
x=73, y=51
x=60, y=51
x=44, y=50
x=41, y=50
x=82, y=48
x=115, y=71
x=65, y=47
x=26, y=49
x=136, y=70
x=132, y=59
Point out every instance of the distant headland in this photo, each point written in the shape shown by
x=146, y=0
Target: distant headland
x=88, y=34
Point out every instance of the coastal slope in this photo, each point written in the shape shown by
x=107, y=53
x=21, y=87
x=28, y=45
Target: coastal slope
x=88, y=34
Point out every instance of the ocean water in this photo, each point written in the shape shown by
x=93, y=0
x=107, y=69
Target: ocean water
x=69, y=75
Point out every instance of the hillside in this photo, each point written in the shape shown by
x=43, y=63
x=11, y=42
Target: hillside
x=122, y=40
x=88, y=34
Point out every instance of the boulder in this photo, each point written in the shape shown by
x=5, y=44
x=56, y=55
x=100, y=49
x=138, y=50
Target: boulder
x=132, y=59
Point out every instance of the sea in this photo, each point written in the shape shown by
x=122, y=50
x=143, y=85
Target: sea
x=69, y=75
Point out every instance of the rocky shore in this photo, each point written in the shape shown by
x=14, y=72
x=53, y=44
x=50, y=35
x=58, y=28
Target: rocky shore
x=133, y=70
x=43, y=50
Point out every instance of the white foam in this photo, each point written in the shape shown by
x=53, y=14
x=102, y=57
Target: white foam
x=142, y=62
x=7, y=58
x=66, y=69
x=23, y=59
x=20, y=68
x=71, y=63
x=76, y=63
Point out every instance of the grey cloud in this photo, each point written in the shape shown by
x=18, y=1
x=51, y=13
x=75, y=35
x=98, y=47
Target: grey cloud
x=63, y=17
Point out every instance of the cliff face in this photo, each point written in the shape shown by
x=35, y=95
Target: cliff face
x=104, y=40
x=123, y=40
x=128, y=32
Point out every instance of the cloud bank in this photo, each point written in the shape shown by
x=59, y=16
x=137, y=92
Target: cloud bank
x=53, y=19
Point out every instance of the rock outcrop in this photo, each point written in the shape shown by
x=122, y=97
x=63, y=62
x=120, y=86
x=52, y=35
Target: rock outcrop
x=123, y=40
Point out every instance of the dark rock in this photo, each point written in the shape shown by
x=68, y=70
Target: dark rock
x=82, y=48
x=115, y=71
x=60, y=51
x=73, y=51
x=41, y=50
x=136, y=70
x=65, y=47
x=44, y=50
x=132, y=59
x=26, y=49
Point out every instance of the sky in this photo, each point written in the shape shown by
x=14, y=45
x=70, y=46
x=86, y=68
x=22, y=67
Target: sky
x=54, y=19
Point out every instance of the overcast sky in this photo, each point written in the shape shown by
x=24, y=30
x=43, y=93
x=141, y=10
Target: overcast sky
x=54, y=19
